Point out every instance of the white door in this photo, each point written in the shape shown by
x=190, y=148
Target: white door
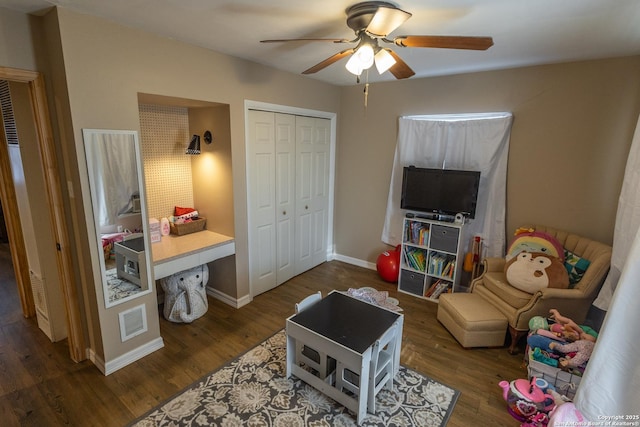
x=285, y=146
x=288, y=196
x=312, y=190
x=262, y=202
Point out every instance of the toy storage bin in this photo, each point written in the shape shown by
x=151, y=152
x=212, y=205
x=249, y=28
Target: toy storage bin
x=564, y=382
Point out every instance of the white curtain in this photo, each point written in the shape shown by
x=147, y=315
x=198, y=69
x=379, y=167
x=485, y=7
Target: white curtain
x=477, y=142
x=627, y=222
x=115, y=174
x=611, y=381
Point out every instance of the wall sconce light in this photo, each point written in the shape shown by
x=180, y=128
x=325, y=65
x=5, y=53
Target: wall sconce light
x=194, y=145
x=208, y=137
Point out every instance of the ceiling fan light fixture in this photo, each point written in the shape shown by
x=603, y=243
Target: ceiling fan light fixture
x=353, y=65
x=362, y=59
x=384, y=60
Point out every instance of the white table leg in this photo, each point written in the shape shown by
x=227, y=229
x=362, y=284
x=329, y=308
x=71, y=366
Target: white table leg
x=363, y=394
x=398, y=347
x=291, y=354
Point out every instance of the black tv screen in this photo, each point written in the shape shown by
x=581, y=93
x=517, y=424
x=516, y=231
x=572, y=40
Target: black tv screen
x=441, y=191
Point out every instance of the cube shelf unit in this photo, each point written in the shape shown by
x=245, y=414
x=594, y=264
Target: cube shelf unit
x=431, y=259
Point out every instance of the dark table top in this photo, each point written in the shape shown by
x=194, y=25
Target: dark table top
x=136, y=244
x=346, y=320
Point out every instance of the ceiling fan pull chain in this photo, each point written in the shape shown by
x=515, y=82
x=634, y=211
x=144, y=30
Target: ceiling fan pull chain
x=366, y=94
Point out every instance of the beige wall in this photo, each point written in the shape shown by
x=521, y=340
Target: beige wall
x=106, y=66
x=572, y=130
x=16, y=41
x=212, y=173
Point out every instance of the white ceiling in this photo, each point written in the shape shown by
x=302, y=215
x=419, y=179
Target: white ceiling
x=525, y=32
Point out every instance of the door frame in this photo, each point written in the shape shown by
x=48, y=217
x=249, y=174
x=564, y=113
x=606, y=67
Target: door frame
x=49, y=164
x=276, y=108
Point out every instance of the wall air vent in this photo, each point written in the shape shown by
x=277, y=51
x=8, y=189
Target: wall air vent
x=10, y=130
x=133, y=322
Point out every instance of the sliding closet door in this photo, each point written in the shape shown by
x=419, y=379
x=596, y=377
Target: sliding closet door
x=312, y=191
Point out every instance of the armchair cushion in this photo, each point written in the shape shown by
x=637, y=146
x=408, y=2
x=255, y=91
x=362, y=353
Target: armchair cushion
x=496, y=282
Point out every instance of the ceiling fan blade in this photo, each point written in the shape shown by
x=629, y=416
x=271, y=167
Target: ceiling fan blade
x=400, y=69
x=306, y=40
x=330, y=60
x=385, y=20
x=447, y=42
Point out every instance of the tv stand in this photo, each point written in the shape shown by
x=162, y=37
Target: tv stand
x=432, y=257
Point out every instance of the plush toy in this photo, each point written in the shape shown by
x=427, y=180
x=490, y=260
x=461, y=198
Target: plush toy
x=185, y=294
x=565, y=412
x=529, y=240
x=583, y=332
x=538, y=322
x=532, y=271
x=582, y=348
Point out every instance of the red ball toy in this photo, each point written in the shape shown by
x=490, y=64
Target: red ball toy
x=388, y=265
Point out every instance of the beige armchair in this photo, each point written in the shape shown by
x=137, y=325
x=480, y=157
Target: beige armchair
x=519, y=307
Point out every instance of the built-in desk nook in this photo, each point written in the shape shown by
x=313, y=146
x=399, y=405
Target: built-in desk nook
x=177, y=253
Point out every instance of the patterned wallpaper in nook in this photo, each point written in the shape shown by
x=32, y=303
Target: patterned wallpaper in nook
x=167, y=169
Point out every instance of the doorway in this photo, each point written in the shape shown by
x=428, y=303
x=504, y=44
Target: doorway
x=53, y=193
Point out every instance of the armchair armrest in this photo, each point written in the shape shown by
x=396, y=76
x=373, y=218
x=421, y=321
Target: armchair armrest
x=489, y=264
x=555, y=293
x=572, y=303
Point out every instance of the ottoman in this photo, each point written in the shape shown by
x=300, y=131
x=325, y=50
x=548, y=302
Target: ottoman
x=472, y=320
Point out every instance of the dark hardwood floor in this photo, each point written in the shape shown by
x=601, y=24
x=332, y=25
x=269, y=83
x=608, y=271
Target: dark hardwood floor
x=41, y=386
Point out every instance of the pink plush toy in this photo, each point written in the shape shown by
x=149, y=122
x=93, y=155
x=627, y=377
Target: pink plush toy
x=565, y=413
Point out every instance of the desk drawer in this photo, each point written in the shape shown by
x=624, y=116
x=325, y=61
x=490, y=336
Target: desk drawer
x=444, y=238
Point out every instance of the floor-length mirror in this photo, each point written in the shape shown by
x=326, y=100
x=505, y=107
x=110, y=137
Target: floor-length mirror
x=117, y=197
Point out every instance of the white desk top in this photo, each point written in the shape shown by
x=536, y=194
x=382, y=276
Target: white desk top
x=172, y=247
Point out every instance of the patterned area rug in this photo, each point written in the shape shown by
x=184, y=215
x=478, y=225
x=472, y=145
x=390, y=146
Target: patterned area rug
x=252, y=391
x=119, y=288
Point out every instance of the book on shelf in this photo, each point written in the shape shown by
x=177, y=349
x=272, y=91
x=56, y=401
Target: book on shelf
x=432, y=288
x=441, y=288
x=442, y=265
x=436, y=289
x=416, y=233
x=415, y=258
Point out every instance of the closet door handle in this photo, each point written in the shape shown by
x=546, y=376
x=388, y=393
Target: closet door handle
x=306, y=207
x=284, y=212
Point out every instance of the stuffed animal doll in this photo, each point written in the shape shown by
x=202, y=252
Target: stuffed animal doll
x=532, y=271
x=186, y=294
x=582, y=348
x=530, y=240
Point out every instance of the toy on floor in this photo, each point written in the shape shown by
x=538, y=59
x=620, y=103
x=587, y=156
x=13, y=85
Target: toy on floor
x=565, y=412
x=388, y=265
x=526, y=402
x=186, y=294
x=582, y=348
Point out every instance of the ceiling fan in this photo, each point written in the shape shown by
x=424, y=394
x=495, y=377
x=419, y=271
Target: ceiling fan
x=372, y=21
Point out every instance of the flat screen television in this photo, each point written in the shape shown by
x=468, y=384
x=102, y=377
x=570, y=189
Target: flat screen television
x=440, y=191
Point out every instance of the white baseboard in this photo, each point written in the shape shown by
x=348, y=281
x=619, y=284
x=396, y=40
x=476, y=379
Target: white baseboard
x=229, y=300
x=355, y=261
x=240, y=302
x=127, y=358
